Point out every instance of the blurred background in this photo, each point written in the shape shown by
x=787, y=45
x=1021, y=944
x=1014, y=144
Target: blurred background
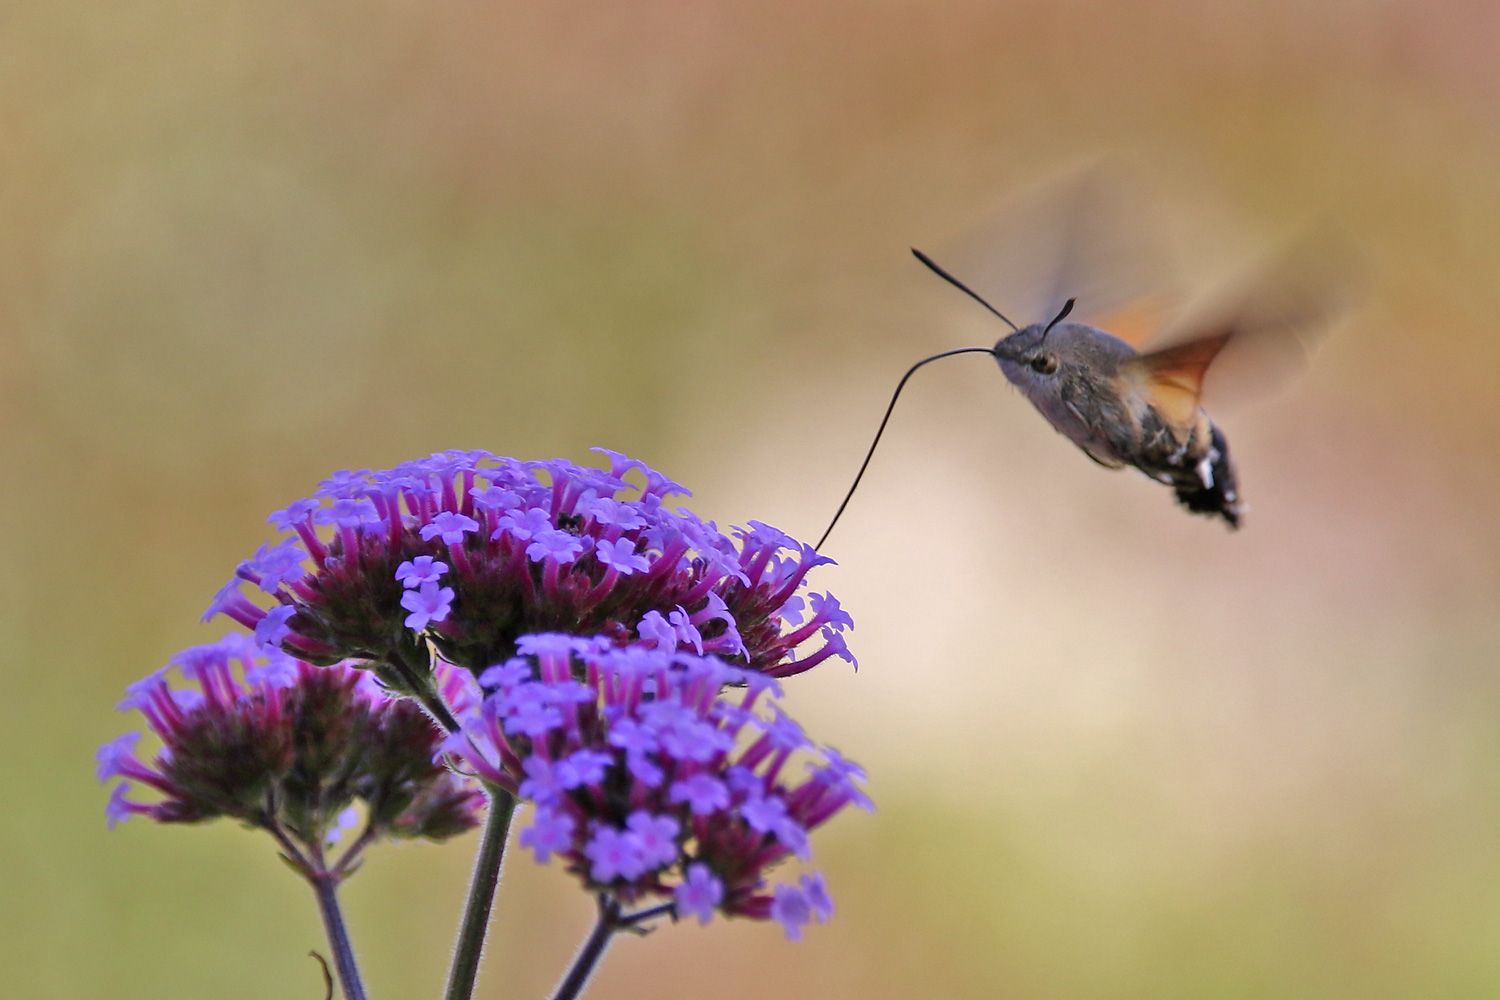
x=1118, y=751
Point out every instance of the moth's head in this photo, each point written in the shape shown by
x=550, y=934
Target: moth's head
x=1029, y=352
x=1044, y=355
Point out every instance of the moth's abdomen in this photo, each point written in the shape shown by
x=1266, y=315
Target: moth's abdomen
x=1204, y=479
x=1195, y=461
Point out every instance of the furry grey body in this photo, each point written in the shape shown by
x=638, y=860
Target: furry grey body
x=1080, y=378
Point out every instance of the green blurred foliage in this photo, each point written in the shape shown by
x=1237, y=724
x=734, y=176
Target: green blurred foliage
x=1119, y=753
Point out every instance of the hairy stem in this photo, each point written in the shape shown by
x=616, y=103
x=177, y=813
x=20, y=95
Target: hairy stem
x=326, y=887
x=486, y=877
x=592, y=950
x=413, y=664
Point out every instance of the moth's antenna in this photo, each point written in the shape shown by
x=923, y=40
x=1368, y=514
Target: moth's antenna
x=899, y=386
x=1062, y=314
x=1067, y=308
x=963, y=287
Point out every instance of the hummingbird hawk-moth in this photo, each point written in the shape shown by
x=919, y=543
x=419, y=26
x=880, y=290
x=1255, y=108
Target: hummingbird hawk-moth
x=1126, y=408
x=1126, y=404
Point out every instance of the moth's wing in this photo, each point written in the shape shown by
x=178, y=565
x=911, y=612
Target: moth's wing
x=1276, y=319
x=1085, y=235
x=1171, y=378
x=1138, y=323
x=1111, y=258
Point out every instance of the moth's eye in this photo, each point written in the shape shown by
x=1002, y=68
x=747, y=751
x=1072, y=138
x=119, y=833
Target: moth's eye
x=1046, y=364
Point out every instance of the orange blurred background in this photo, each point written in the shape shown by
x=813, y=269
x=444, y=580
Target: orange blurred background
x=1118, y=752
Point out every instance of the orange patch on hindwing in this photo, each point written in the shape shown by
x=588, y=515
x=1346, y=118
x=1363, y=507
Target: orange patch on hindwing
x=1172, y=378
x=1137, y=323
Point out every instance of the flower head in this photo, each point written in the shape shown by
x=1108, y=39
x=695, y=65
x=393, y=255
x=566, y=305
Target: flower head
x=658, y=773
x=469, y=552
x=279, y=744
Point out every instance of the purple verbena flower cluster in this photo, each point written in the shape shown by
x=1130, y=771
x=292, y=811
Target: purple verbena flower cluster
x=470, y=552
x=289, y=747
x=654, y=775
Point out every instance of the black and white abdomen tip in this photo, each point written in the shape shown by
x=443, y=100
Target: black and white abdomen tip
x=1208, y=485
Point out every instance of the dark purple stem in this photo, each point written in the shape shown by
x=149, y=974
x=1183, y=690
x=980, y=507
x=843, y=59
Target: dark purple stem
x=326, y=886
x=592, y=950
x=294, y=856
x=350, y=858
x=640, y=917
x=611, y=919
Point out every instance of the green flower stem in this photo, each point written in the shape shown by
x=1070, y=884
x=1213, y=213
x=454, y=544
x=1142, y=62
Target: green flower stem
x=326, y=887
x=471, y=932
x=412, y=662
x=439, y=711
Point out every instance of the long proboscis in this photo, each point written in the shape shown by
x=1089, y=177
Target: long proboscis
x=885, y=420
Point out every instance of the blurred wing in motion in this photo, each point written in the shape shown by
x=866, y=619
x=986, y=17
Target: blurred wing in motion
x=1267, y=333
x=1137, y=323
x=1085, y=236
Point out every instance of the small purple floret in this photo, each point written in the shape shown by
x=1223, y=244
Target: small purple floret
x=703, y=793
x=271, y=629
x=277, y=672
x=423, y=569
x=524, y=524
x=451, y=527
x=620, y=556
x=112, y=755
x=790, y=909
x=587, y=767
x=549, y=833
x=293, y=514
x=826, y=607
x=506, y=675
x=559, y=546
x=428, y=603
x=614, y=855
x=540, y=783
x=655, y=629
x=764, y=814
x=699, y=894
x=815, y=890
x=119, y=808
x=655, y=836
x=278, y=564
